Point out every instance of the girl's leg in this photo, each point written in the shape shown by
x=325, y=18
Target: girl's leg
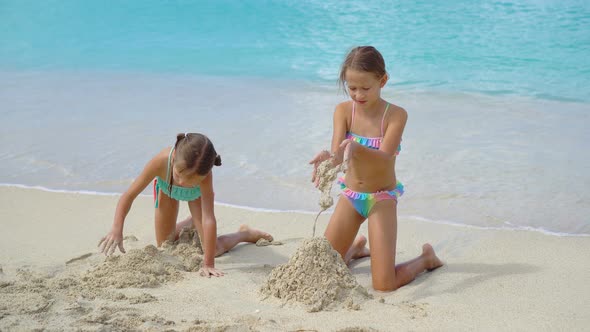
x=383, y=237
x=165, y=219
x=227, y=241
x=343, y=226
x=244, y=234
x=188, y=222
x=194, y=219
x=357, y=250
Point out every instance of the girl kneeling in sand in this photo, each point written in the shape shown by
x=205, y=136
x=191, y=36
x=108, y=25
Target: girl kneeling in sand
x=367, y=136
x=183, y=172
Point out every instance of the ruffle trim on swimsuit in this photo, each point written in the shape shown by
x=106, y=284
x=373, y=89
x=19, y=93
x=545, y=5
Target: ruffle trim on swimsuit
x=379, y=195
x=177, y=193
x=370, y=142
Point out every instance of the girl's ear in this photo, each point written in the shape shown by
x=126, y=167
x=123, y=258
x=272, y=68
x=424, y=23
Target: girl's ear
x=384, y=80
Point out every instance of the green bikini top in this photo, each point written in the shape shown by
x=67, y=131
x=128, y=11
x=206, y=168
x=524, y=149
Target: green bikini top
x=178, y=193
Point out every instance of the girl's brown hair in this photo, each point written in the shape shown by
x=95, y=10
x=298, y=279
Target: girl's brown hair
x=195, y=154
x=362, y=58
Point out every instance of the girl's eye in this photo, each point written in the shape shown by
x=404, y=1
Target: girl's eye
x=352, y=89
x=366, y=89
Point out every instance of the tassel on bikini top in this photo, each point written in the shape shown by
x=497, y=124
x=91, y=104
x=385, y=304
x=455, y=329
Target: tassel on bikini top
x=370, y=142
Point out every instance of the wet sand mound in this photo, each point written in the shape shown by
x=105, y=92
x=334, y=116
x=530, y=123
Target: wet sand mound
x=104, y=295
x=317, y=277
x=148, y=267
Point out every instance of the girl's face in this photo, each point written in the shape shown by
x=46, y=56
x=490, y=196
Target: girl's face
x=191, y=180
x=364, y=87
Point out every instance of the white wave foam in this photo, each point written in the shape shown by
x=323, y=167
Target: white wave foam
x=508, y=226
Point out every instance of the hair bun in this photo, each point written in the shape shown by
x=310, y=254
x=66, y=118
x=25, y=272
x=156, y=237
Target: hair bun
x=217, y=160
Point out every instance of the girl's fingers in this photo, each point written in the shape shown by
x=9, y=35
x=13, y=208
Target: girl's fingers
x=112, y=248
x=108, y=247
x=104, y=246
x=347, y=153
x=344, y=143
x=121, y=247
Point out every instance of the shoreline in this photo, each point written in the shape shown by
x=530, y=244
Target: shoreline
x=402, y=87
x=492, y=280
x=327, y=212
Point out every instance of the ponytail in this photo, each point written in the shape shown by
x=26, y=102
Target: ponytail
x=217, y=160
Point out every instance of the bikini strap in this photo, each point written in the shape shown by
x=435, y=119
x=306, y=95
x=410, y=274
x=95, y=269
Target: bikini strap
x=352, y=120
x=169, y=164
x=383, y=119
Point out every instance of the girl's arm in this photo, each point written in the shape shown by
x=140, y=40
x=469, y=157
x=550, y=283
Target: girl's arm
x=392, y=139
x=114, y=238
x=340, y=126
x=209, y=228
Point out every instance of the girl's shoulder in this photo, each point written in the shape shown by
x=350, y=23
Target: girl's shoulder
x=160, y=161
x=343, y=110
x=345, y=105
x=396, y=113
x=163, y=154
x=396, y=117
x=343, y=114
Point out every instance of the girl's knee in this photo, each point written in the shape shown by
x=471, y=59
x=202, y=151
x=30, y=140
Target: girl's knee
x=220, y=248
x=385, y=277
x=384, y=283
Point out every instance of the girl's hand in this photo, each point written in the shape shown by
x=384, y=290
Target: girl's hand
x=208, y=271
x=316, y=161
x=110, y=242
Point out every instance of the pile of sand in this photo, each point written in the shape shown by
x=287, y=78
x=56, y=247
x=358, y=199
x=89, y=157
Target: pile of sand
x=95, y=296
x=148, y=267
x=317, y=277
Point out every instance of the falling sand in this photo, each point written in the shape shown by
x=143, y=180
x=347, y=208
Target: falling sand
x=316, y=276
x=326, y=173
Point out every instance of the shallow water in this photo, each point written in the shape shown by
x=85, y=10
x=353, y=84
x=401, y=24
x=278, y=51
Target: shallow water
x=496, y=93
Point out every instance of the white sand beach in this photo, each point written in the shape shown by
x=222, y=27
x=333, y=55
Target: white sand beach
x=53, y=278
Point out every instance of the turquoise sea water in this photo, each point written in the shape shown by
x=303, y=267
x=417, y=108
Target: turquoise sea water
x=536, y=48
x=498, y=94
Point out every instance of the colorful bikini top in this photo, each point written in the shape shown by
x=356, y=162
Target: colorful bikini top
x=370, y=142
x=178, y=193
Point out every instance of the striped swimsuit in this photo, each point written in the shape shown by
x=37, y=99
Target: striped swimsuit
x=364, y=202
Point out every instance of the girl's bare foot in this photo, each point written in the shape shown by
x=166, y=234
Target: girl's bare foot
x=253, y=235
x=357, y=250
x=432, y=261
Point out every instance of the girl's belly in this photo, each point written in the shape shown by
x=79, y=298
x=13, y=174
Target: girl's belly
x=368, y=177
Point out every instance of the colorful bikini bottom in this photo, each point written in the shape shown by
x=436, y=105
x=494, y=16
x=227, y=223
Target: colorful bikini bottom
x=364, y=202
